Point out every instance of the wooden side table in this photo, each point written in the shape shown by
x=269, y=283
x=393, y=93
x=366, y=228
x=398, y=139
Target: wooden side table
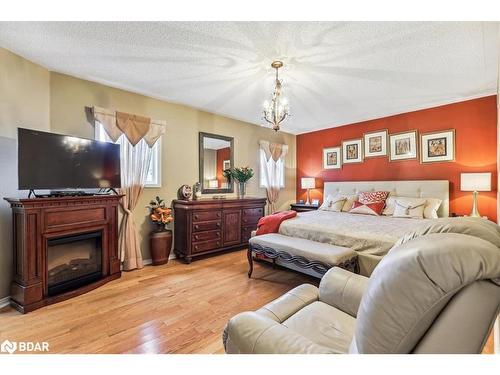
x=302, y=207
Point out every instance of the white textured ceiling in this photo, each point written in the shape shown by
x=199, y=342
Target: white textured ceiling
x=335, y=72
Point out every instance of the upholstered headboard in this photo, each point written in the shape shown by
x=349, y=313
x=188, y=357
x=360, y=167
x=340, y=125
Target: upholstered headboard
x=419, y=189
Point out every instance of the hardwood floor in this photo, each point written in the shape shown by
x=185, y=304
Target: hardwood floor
x=174, y=308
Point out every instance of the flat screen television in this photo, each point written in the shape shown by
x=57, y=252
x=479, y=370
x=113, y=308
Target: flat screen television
x=54, y=161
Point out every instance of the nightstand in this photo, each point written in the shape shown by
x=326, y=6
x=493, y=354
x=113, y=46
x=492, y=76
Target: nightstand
x=302, y=207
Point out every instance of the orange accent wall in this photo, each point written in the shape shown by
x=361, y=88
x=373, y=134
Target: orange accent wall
x=475, y=123
x=222, y=154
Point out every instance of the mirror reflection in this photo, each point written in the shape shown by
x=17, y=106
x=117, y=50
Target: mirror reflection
x=215, y=158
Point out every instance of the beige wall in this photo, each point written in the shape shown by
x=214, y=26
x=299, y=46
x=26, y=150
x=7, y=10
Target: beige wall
x=24, y=102
x=70, y=95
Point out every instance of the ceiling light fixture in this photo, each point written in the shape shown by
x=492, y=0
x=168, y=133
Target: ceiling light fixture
x=277, y=110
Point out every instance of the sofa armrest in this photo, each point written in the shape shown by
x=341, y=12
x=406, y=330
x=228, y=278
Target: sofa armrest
x=289, y=303
x=253, y=333
x=342, y=289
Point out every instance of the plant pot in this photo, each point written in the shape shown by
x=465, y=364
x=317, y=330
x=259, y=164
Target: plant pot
x=160, y=246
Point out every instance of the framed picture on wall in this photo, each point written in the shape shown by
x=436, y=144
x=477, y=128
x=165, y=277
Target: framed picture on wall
x=226, y=164
x=332, y=158
x=403, y=146
x=437, y=146
x=352, y=151
x=375, y=143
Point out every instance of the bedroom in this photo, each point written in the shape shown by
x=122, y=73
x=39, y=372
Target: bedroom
x=151, y=203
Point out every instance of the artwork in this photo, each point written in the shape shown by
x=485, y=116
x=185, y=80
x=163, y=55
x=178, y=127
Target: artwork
x=352, y=151
x=226, y=164
x=403, y=146
x=437, y=146
x=375, y=143
x=332, y=158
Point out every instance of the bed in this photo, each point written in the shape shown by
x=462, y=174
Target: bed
x=370, y=236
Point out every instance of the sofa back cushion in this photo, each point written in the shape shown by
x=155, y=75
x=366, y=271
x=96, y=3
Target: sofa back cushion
x=413, y=283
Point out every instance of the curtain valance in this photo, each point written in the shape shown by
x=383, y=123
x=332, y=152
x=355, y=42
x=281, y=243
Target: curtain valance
x=273, y=150
x=134, y=127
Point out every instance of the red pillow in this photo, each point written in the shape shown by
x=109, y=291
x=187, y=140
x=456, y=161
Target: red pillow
x=374, y=208
x=367, y=197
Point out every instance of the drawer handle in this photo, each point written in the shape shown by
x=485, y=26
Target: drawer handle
x=218, y=225
x=196, y=237
x=196, y=227
x=245, y=220
x=196, y=216
x=218, y=214
x=218, y=234
x=218, y=243
x=196, y=247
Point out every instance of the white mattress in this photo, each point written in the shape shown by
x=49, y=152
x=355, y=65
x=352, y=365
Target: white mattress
x=366, y=234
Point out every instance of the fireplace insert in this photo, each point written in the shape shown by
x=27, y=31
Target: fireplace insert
x=73, y=261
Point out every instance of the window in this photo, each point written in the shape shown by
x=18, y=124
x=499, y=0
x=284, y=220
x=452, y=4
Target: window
x=266, y=164
x=153, y=178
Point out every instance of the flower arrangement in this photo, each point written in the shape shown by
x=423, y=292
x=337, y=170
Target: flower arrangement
x=242, y=174
x=159, y=213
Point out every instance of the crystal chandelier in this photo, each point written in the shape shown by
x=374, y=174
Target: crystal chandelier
x=277, y=110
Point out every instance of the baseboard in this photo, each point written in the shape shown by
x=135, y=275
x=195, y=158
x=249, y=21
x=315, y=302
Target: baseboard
x=4, y=301
x=149, y=261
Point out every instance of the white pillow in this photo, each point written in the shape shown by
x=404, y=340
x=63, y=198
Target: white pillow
x=409, y=207
x=333, y=203
x=431, y=208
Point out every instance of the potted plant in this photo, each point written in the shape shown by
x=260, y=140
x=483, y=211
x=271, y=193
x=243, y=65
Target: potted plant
x=160, y=238
x=242, y=175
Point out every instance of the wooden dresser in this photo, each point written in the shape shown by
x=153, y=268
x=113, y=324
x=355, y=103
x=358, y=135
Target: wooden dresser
x=208, y=225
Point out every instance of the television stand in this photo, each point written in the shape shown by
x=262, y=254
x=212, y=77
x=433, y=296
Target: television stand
x=70, y=193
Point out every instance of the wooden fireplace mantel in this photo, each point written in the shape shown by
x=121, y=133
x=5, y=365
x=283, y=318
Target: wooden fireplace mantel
x=37, y=220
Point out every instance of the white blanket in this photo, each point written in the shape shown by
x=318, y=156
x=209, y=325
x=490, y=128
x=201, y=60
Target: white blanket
x=371, y=236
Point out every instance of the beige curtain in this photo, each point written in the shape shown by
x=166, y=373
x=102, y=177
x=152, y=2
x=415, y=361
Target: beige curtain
x=272, y=162
x=135, y=135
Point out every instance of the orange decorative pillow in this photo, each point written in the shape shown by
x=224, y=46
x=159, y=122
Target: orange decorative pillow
x=374, y=208
x=367, y=197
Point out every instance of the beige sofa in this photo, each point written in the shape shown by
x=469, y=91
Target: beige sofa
x=437, y=291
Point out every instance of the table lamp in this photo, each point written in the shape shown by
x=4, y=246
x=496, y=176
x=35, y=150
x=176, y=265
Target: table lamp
x=308, y=183
x=475, y=182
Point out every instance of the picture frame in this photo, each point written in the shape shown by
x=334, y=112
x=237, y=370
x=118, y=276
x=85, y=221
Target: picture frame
x=375, y=143
x=332, y=158
x=437, y=146
x=352, y=151
x=226, y=164
x=403, y=146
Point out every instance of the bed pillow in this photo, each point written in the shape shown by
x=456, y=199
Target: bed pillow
x=349, y=201
x=431, y=208
x=366, y=197
x=374, y=208
x=333, y=203
x=409, y=207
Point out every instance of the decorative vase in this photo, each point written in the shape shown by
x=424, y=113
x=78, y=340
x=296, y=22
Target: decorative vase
x=160, y=246
x=241, y=189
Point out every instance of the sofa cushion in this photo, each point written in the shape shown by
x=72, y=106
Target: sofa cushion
x=312, y=250
x=411, y=286
x=324, y=325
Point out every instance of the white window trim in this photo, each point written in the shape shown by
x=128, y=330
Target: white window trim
x=262, y=174
x=155, y=159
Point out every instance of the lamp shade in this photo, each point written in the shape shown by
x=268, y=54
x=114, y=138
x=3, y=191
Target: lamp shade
x=308, y=182
x=475, y=181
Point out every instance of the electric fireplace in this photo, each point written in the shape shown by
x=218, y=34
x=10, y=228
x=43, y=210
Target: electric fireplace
x=73, y=261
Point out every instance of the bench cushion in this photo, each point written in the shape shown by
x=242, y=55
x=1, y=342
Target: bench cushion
x=312, y=250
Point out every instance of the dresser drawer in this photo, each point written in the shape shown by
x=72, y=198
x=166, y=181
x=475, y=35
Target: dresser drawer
x=246, y=232
x=206, y=215
x=205, y=246
x=250, y=220
x=207, y=225
x=205, y=236
x=253, y=212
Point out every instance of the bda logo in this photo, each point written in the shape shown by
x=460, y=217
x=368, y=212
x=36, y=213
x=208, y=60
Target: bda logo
x=8, y=347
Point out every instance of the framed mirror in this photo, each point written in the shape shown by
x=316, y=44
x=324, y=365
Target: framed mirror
x=216, y=156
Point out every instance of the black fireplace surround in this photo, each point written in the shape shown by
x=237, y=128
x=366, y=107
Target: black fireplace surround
x=73, y=261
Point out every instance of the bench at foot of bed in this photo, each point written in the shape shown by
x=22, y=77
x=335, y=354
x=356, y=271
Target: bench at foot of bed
x=302, y=253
